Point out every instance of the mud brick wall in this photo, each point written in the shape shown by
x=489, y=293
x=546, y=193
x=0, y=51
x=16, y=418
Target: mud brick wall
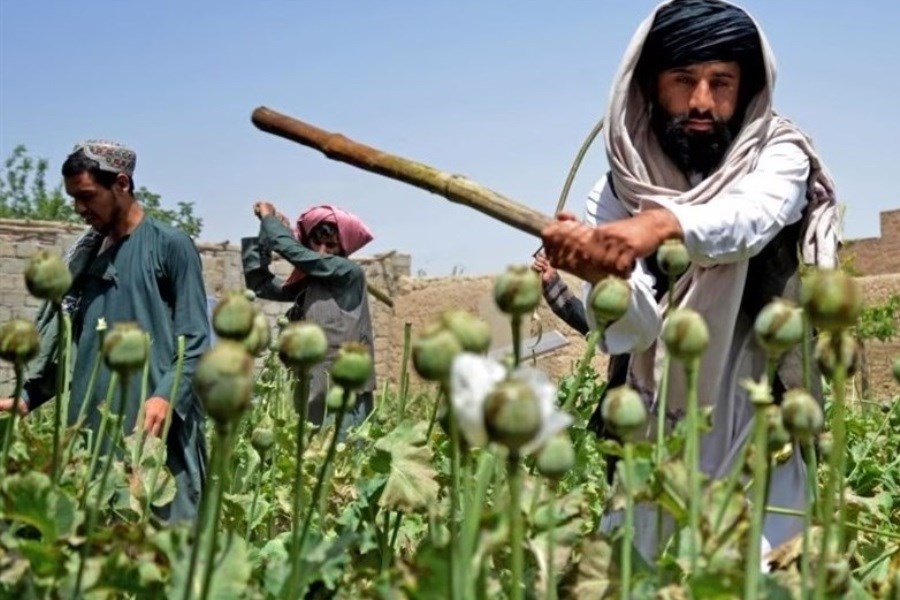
x=877, y=255
x=221, y=272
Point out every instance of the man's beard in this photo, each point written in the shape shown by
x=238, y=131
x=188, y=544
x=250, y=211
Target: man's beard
x=692, y=151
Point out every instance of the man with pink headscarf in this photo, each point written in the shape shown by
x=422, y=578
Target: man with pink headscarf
x=326, y=287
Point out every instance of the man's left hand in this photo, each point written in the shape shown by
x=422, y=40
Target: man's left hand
x=155, y=411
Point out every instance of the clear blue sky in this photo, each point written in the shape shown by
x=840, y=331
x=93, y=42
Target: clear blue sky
x=502, y=92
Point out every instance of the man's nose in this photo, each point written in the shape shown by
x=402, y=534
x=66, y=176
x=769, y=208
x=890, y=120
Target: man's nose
x=702, y=98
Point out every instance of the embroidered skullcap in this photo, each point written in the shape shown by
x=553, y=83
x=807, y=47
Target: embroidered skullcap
x=111, y=156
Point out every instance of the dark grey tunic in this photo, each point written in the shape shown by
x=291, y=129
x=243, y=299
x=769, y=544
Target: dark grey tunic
x=332, y=295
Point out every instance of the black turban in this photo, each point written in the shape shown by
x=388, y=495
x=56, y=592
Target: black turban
x=687, y=32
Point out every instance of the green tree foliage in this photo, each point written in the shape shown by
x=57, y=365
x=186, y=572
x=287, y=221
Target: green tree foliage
x=24, y=194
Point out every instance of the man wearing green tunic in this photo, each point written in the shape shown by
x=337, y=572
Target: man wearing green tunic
x=131, y=267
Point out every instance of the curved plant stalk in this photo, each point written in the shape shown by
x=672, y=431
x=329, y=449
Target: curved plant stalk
x=114, y=437
x=434, y=411
x=209, y=491
x=256, y=491
x=458, y=571
x=62, y=352
x=320, y=482
x=301, y=401
x=872, y=438
x=173, y=395
x=101, y=434
x=94, y=511
x=805, y=353
x=223, y=447
x=660, y=449
x=384, y=541
x=760, y=479
x=835, y=481
x=809, y=453
x=731, y=483
x=790, y=512
x=395, y=531
x=692, y=452
x=551, y=541
x=82, y=410
x=13, y=415
x=593, y=339
x=661, y=410
x=483, y=477
x=142, y=411
x=576, y=164
x=628, y=533
x=516, y=321
x=516, y=526
x=404, y=368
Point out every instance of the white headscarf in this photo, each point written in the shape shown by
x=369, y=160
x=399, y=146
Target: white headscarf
x=642, y=175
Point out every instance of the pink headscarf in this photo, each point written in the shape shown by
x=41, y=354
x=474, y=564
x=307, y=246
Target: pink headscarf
x=352, y=232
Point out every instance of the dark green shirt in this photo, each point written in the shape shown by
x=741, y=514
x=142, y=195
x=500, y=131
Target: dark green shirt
x=153, y=277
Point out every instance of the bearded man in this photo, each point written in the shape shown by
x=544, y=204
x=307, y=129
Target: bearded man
x=697, y=153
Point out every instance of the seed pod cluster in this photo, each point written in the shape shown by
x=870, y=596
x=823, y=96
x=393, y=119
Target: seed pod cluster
x=257, y=341
x=512, y=414
x=831, y=298
x=263, y=436
x=685, y=334
x=672, y=258
x=473, y=333
x=779, y=327
x=47, y=277
x=19, y=341
x=557, y=457
x=233, y=316
x=623, y=411
x=224, y=381
x=353, y=366
x=125, y=348
x=802, y=415
x=837, y=349
x=302, y=345
x=517, y=291
x=433, y=351
x=609, y=299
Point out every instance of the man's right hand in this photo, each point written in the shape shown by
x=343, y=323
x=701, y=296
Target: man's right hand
x=263, y=209
x=543, y=268
x=6, y=405
x=575, y=247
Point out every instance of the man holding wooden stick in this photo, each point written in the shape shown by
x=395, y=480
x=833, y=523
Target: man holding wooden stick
x=326, y=287
x=698, y=154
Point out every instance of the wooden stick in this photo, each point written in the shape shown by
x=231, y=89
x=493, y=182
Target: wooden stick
x=455, y=188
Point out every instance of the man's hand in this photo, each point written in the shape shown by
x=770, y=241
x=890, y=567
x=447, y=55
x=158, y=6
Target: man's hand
x=6, y=405
x=611, y=248
x=543, y=268
x=155, y=411
x=263, y=209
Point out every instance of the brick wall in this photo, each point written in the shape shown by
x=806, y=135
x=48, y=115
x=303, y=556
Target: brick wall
x=221, y=273
x=877, y=255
